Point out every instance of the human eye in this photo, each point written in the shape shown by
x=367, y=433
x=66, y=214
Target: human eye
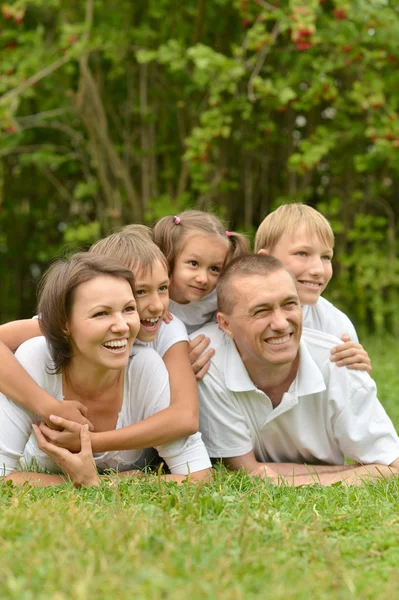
x=164, y=288
x=193, y=263
x=100, y=313
x=139, y=292
x=260, y=312
x=291, y=304
x=301, y=253
x=215, y=269
x=327, y=257
x=130, y=309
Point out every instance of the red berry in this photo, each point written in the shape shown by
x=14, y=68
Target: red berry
x=245, y=22
x=346, y=48
x=72, y=39
x=339, y=14
x=305, y=32
x=19, y=20
x=303, y=45
x=7, y=14
x=388, y=136
x=11, y=129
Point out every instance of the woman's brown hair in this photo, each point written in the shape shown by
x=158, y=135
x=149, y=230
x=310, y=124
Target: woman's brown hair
x=56, y=295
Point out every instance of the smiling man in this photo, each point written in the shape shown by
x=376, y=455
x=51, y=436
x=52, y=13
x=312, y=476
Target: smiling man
x=272, y=402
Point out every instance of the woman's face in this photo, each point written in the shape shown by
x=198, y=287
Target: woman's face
x=104, y=322
x=152, y=296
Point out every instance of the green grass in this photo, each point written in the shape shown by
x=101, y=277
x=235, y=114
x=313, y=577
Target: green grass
x=235, y=538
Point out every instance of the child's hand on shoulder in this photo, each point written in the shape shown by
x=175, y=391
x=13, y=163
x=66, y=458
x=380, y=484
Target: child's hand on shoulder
x=168, y=317
x=200, y=360
x=352, y=355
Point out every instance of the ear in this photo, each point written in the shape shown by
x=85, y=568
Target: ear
x=224, y=323
x=263, y=251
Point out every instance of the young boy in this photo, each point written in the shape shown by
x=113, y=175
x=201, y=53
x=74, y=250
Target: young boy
x=303, y=240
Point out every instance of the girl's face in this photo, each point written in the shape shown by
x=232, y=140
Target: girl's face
x=152, y=296
x=104, y=322
x=197, y=267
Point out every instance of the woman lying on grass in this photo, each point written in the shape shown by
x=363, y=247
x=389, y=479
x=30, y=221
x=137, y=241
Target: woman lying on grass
x=90, y=321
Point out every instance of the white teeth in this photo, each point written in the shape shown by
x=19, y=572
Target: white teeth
x=312, y=284
x=154, y=320
x=277, y=341
x=116, y=344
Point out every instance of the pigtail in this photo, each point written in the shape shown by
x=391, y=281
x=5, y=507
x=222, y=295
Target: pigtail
x=166, y=234
x=239, y=245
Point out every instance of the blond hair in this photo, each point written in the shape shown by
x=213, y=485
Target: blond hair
x=287, y=219
x=170, y=233
x=132, y=246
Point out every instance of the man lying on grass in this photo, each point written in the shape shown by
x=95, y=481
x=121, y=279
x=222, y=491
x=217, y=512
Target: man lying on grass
x=272, y=402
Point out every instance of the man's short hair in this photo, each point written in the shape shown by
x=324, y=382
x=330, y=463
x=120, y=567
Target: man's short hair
x=287, y=219
x=250, y=264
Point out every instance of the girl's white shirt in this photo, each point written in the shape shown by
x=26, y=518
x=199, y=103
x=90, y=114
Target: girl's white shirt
x=195, y=314
x=146, y=392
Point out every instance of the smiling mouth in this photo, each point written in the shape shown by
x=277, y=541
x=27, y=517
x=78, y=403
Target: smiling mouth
x=116, y=346
x=197, y=289
x=278, y=341
x=150, y=324
x=312, y=285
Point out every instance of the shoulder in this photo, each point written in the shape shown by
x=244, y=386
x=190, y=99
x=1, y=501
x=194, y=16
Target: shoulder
x=216, y=335
x=328, y=318
x=317, y=340
x=34, y=352
x=170, y=334
x=144, y=358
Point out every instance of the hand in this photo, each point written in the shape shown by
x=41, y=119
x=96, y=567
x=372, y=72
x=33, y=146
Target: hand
x=351, y=355
x=196, y=347
x=72, y=411
x=168, y=317
x=80, y=467
x=67, y=434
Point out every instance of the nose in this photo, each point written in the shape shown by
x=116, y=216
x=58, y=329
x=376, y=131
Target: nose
x=316, y=266
x=202, y=277
x=119, y=325
x=279, y=320
x=155, y=304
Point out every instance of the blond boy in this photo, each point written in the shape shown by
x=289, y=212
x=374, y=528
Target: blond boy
x=303, y=240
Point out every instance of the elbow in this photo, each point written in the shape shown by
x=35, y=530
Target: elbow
x=190, y=422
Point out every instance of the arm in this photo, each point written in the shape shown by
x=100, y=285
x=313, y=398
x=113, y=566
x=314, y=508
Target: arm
x=352, y=355
x=15, y=333
x=179, y=420
x=17, y=384
x=297, y=474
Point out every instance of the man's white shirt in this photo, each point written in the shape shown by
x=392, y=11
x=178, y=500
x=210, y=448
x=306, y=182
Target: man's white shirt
x=327, y=318
x=328, y=412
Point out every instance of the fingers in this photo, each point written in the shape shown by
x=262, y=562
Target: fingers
x=85, y=441
x=70, y=426
x=168, y=317
x=351, y=355
x=345, y=337
x=197, y=346
x=201, y=366
x=199, y=375
x=50, y=449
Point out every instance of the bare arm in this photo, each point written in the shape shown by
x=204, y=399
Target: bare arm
x=15, y=333
x=179, y=420
x=300, y=474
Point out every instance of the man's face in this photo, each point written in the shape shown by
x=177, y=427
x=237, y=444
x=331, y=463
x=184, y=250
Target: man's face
x=266, y=322
x=309, y=259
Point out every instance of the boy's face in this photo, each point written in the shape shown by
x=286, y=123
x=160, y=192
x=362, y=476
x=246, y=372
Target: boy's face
x=309, y=259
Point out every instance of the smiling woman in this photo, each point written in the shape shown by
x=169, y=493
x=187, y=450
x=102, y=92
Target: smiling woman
x=89, y=319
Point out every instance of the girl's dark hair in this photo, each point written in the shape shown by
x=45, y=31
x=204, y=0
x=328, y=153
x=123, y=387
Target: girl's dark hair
x=56, y=296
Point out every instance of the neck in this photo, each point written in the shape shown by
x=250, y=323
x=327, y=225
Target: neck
x=273, y=380
x=89, y=381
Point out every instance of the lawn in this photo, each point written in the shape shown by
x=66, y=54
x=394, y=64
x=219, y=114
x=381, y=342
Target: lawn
x=236, y=538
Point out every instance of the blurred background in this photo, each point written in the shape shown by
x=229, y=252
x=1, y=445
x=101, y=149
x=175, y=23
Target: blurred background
x=126, y=111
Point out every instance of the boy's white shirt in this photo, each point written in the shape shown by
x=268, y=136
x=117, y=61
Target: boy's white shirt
x=324, y=316
x=195, y=314
x=168, y=335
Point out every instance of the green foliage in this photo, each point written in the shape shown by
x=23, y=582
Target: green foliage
x=152, y=107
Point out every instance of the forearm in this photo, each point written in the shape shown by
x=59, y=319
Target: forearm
x=165, y=426
x=17, y=384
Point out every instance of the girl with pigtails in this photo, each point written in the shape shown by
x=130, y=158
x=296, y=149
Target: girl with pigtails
x=197, y=247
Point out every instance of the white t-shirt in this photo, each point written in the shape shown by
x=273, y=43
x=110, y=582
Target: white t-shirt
x=325, y=317
x=168, y=335
x=146, y=392
x=195, y=314
x=327, y=412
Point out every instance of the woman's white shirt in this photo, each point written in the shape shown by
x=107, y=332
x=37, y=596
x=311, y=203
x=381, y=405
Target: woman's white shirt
x=146, y=392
